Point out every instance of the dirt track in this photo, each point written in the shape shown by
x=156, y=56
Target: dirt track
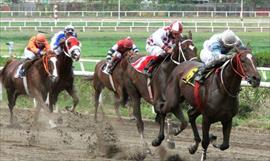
x=77, y=137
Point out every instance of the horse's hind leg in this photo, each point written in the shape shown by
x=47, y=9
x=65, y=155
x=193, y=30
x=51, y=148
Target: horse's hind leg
x=97, y=97
x=226, y=128
x=73, y=93
x=117, y=102
x=12, y=96
x=178, y=113
x=193, y=114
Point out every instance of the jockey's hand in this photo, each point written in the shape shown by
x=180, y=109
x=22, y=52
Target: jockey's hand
x=42, y=52
x=169, y=51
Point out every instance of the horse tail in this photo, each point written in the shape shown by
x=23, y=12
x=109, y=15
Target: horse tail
x=3, y=69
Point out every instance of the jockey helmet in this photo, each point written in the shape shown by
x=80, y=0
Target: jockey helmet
x=128, y=43
x=69, y=29
x=228, y=37
x=176, y=27
x=40, y=38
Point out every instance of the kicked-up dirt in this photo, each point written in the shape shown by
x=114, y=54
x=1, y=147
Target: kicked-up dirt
x=79, y=137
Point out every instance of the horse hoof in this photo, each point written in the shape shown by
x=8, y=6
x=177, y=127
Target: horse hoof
x=171, y=145
x=223, y=147
x=156, y=142
x=192, y=149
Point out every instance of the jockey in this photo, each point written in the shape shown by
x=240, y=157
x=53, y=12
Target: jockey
x=61, y=36
x=216, y=49
x=37, y=46
x=161, y=43
x=114, y=54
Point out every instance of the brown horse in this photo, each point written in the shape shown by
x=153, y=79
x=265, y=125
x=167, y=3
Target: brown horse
x=101, y=80
x=217, y=98
x=70, y=51
x=40, y=74
x=136, y=84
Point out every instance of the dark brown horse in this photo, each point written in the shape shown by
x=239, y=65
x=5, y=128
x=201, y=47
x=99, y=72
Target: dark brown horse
x=70, y=51
x=217, y=99
x=40, y=74
x=136, y=84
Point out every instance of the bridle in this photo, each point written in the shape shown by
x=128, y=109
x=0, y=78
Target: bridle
x=182, y=53
x=66, y=47
x=239, y=70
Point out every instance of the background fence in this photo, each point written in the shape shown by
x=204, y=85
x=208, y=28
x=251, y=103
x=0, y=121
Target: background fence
x=124, y=14
x=131, y=25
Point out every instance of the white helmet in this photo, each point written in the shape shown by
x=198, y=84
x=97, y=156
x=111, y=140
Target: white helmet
x=69, y=29
x=229, y=38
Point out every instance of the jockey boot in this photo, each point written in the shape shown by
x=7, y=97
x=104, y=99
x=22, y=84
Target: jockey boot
x=151, y=65
x=22, y=72
x=203, y=69
x=108, y=67
x=149, y=68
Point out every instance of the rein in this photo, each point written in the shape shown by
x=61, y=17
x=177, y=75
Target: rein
x=45, y=60
x=182, y=53
x=240, y=73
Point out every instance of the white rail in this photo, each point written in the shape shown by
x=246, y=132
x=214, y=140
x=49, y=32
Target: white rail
x=138, y=13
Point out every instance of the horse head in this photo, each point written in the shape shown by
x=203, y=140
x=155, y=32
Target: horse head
x=72, y=48
x=49, y=63
x=185, y=48
x=244, y=64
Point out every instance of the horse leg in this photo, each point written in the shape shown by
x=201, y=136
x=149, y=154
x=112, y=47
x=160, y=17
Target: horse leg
x=226, y=128
x=138, y=116
x=193, y=114
x=117, y=102
x=178, y=113
x=157, y=141
x=97, y=96
x=205, y=141
x=11, y=102
x=73, y=93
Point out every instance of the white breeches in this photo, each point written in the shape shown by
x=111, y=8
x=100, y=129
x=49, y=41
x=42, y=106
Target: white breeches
x=154, y=50
x=29, y=54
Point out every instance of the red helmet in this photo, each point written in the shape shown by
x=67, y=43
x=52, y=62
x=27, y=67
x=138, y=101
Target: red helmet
x=127, y=43
x=176, y=27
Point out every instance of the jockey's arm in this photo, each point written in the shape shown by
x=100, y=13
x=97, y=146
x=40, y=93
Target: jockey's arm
x=158, y=36
x=56, y=40
x=111, y=51
x=215, y=49
x=134, y=48
x=32, y=46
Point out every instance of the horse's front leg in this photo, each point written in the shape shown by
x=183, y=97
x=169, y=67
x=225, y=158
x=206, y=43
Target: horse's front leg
x=193, y=114
x=226, y=127
x=157, y=141
x=205, y=142
x=73, y=93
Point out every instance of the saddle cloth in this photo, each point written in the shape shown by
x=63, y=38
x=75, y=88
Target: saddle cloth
x=192, y=73
x=141, y=63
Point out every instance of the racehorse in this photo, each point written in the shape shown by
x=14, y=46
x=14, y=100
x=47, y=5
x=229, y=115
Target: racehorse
x=101, y=80
x=216, y=99
x=40, y=74
x=70, y=51
x=137, y=85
